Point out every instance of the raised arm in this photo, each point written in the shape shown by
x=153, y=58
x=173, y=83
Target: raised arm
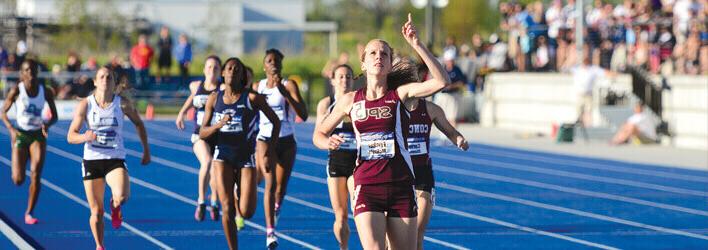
x=438, y=117
x=179, y=122
x=11, y=97
x=294, y=99
x=207, y=129
x=321, y=136
x=74, y=135
x=439, y=76
x=132, y=114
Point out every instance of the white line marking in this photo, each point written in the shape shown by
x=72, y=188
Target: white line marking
x=85, y=204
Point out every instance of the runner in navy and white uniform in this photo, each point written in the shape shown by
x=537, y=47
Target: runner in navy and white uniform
x=384, y=200
x=203, y=149
x=29, y=136
x=422, y=114
x=342, y=160
x=283, y=96
x=104, y=154
x=234, y=112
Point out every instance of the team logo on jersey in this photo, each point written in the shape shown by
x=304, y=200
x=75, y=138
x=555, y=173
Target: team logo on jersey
x=361, y=113
x=32, y=110
x=418, y=128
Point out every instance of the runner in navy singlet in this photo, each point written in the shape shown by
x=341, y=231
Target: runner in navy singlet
x=384, y=202
x=422, y=114
x=342, y=160
x=200, y=91
x=234, y=110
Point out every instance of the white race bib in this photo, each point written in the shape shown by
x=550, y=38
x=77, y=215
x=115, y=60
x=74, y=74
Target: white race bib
x=416, y=146
x=200, y=100
x=233, y=126
x=377, y=145
x=200, y=117
x=105, y=139
x=349, y=141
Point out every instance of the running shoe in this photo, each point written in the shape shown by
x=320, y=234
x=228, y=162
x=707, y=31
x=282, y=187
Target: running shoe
x=100, y=248
x=240, y=223
x=116, y=216
x=214, y=211
x=199, y=213
x=29, y=220
x=271, y=241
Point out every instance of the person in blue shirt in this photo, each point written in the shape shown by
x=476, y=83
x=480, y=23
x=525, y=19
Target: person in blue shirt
x=183, y=55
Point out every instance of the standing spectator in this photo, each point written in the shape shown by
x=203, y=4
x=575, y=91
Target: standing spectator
x=450, y=45
x=555, y=20
x=584, y=77
x=73, y=62
x=448, y=99
x=3, y=59
x=90, y=65
x=183, y=55
x=20, y=52
x=164, y=60
x=140, y=57
x=497, y=56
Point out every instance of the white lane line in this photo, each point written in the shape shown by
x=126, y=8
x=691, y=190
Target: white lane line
x=578, y=163
x=177, y=196
x=10, y=233
x=85, y=204
x=569, y=210
x=561, y=173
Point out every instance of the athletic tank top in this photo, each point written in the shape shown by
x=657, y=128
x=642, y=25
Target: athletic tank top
x=238, y=133
x=380, y=128
x=345, y=130
x=199, y=101
x=108, y=125
x=29, y=109
x=419, y=134
x=280, y=105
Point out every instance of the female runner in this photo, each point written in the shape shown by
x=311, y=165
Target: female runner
x=104, y=154
x=384, y=202
x=234, y=110
x=283, y=96
x=200, y=91
x=342, y=160
x=29, y=138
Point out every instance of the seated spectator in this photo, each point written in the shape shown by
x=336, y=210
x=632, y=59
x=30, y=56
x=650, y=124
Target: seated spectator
x=640, y=128
x=541, y=58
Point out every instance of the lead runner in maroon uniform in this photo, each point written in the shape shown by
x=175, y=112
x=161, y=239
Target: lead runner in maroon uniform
x=384, y=198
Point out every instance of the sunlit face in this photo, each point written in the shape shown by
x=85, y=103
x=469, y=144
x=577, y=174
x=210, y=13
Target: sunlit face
x=377, y=58
x=211, y=68
x=104, y=81
x=343, y=78
x=230, y=73
x=272, y=64
x=28, y=72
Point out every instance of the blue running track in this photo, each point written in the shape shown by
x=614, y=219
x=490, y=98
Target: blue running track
x=487, y=198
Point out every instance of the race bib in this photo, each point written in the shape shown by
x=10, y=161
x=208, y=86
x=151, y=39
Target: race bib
x=199, y=101
x=377, y=145
x=349, y=141
x=417, y=146
x=200, y=117
x=233, y=126
x=105, y=139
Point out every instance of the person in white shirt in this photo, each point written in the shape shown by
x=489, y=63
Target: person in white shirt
x=640, y=127
x=584, y=77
